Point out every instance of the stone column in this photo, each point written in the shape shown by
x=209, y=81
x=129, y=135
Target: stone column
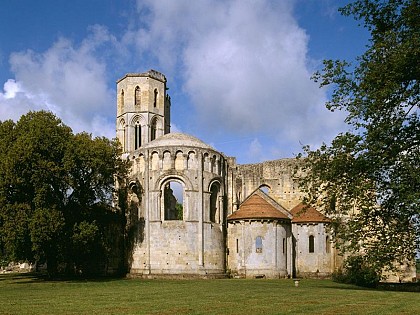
x=147, y=206
x=290, y=250
x=185, y=156
x=276, y=244
x=220, y=209
x=242, y=251
x=200, y=206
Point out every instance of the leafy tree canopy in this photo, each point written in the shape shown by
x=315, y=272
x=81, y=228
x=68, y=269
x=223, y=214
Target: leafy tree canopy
x=369, y=177
x=56, y=192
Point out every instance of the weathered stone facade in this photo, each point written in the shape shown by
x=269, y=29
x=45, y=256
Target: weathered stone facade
x=276, y=176
x=194, y=242
x=199, y=232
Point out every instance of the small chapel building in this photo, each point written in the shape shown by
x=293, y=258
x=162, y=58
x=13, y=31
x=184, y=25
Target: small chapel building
x=195, y=212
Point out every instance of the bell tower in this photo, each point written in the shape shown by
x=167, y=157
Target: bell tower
x=143, y=109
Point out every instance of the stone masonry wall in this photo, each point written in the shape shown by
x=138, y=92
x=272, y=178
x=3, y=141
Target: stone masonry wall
x=277, y=176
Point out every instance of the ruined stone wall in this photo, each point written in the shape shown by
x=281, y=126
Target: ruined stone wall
x=277, y=176
x=194, y=244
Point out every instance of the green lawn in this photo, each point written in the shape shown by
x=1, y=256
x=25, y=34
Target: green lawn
x=23, y=294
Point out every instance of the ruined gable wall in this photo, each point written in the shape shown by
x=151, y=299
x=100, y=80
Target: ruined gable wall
x=277, y=175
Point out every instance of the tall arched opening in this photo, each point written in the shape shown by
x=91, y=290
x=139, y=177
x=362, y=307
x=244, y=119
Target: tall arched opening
x=173, y=200
x=214, y=203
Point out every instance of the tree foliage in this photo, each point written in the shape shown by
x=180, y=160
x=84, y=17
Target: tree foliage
x=56, y=193
x=369, y=177
x=358, y=271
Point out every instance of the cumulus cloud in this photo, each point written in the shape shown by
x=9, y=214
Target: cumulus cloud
x=255, y=151
x=245, y=66
x=67, y=79
x=14, y=101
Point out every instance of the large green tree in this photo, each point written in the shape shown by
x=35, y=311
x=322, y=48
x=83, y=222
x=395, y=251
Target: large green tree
x=368, y=179
x=56, y=193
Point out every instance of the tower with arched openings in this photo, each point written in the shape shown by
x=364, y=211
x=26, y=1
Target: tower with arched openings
x=143, y=109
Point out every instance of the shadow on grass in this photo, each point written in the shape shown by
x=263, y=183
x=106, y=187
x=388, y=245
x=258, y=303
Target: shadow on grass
x=349, y=287
x=398, y=287
x=33, y=277
x=18, y=276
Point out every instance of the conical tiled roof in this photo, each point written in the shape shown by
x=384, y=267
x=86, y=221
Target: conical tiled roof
x=304, y=214
x=259, y=206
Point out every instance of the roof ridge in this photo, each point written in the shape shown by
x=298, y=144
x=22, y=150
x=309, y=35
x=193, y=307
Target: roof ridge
x=251, y=208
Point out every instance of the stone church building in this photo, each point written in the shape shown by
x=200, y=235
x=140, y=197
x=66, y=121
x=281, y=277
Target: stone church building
x=198, y=213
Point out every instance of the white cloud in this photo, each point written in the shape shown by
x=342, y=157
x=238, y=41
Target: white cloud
x=11, y=88
x=15, y=102
x=66, y=79
x=245, y=65
x=255, y=151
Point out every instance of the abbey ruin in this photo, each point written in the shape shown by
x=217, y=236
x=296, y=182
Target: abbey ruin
x=201, y=214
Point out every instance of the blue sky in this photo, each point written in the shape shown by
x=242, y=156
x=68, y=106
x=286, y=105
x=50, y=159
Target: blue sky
x=238, y=71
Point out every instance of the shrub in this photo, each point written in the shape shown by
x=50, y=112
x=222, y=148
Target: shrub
x=4, y=262
x=357, y=271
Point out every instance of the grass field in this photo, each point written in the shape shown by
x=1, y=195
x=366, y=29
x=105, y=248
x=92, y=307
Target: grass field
x=25, y=294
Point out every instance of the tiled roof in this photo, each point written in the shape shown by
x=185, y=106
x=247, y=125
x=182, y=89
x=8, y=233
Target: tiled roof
x=259, y=206
x=304, y=214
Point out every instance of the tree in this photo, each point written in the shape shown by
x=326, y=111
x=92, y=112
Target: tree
x=47, y=237
x=31, y=180
x=369, y=177
x=56, y=193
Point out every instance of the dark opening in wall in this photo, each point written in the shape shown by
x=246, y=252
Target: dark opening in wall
x=311, y=243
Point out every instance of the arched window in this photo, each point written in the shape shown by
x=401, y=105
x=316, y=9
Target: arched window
x=137, y=96
x=173, y=193
x=265, y=189
x=206, y=161
x=192, y=162
x=155, y=98
x=214, y=197
x=121, y=101
x=327, y=244
x=137, y=135
x=155, y=161
x=258, y=244
x=284, y=245
x=179, y=160
x=153, y=129
x=213, y=164
x=311, y=244
x=167, y=161
x=121, y=137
